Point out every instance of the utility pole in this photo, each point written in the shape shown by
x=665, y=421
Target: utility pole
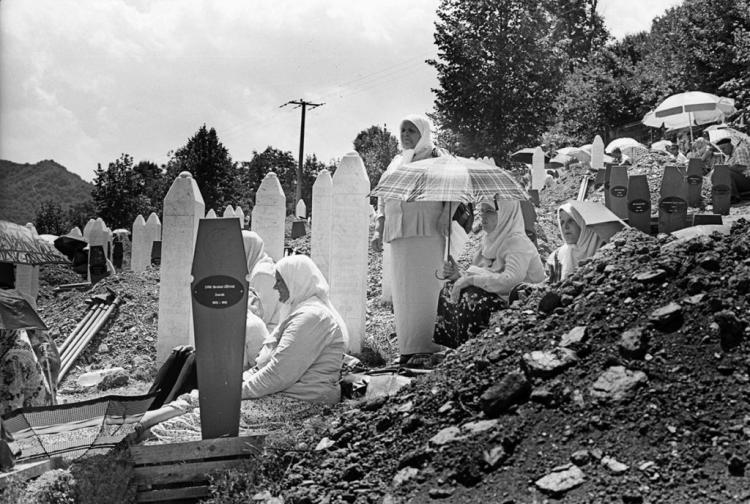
x=304, y=104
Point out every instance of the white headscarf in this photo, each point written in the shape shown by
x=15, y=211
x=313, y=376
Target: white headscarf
x=509, y=223
x=306, y=285
x=257, y=258
x=424, y=146
x=586, y=246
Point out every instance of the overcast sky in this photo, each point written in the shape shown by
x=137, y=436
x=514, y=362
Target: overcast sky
x=82, y=81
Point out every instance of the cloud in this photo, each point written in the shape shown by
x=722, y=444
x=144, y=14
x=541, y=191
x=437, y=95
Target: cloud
x=624, y=18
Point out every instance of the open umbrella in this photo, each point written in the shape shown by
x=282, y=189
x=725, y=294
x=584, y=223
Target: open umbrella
x=721, y=131
x=620, y=143
x=70, y=244
x=17, y=312
x=526, y=155
x=661, y=145
x=685, y=110
x=19, y=245
x=448, y=178
x=577, y=153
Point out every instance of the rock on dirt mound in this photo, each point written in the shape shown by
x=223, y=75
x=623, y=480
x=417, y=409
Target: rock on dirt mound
x=647, y=401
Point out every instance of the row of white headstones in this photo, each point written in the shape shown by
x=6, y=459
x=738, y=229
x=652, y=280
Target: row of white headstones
x=339, y=244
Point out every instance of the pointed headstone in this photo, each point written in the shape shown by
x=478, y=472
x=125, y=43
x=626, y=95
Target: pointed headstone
x=269, y=215
x=228, y=212
x=240, y=213
x=301, y=212
x=618, y=191
x=153, y=234
x=219, y=304
x=721, y=189
x=639, y=203
x=537, y=169
x=183, y=209
x=320, y=233
x=695, y=182
x=87, y=229
x=349, y=244
x=597, y=153
x=673, y=200
x=140, y=252
x=99, y=241
x=211, y=214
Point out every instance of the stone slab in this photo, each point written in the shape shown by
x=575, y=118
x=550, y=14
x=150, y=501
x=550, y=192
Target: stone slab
x=269, y=215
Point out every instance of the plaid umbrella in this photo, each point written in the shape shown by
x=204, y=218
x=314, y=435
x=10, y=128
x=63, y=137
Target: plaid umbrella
x=448, y=178
x=20, y=245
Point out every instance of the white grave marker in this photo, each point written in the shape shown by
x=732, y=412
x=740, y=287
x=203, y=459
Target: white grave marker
x=597, y=153
x=27, y=276
x=537, y=169
x=269, y=215
x=211, y=214
x=183, y=209
x=301, y=212
x=140, y=251
x=153, y=234
x=87, y=229
x=320, y=234
x=349, y=243
x=240, y=213
x=228, y=212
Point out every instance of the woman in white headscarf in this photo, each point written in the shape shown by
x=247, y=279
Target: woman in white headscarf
x=506, y=258
x=580, y=243
x=303, y=358
x=415, y=233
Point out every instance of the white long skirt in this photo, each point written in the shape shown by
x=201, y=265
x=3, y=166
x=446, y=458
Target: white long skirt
x=415, y=291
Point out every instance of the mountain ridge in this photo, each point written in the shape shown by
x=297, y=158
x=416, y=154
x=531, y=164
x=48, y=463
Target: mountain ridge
x=25, y=186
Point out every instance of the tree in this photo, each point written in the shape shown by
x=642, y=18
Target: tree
x=118, y=193
x=212, y=168
x=377, y=147
x=50, y=219
x=499, y=73
x=151, y=182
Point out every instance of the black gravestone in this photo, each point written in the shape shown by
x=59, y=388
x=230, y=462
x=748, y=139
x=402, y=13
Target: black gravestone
x=156, y=253
x=529, y=219
x=7, y=275
x=298, y=229
x=695, y=182
x=219, y=300
x=618, y=191
x=607, y=174
x=673, y=201
x=97, y=263
x=639, y=203
x=721, y=189
x=117, y=252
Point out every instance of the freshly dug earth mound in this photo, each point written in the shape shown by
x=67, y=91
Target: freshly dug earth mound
x=648, y=402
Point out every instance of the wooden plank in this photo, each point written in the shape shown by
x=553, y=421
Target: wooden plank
x=721, y=189
x=148, y=477
x=219, y=301
x=695, y=182
x=639, y=203
x=171, y=494
x=618, y=191
x=27, y=470
x=673, y=201
x=196, y=450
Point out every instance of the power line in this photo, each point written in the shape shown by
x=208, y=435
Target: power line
x=301, y=104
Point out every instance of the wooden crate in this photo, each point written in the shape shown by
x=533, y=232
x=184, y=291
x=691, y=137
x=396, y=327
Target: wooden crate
x=179, y=471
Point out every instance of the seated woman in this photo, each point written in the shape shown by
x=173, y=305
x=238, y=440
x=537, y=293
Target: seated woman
x=263, y=301
x=580, y=243
x=304, y=359
x=507, y=258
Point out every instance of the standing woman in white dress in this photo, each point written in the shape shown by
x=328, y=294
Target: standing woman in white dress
x=416, y=233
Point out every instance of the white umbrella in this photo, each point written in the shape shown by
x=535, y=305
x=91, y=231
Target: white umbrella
x=619, y=143
x=692, y=108
x=577, y=153
x=661, y=145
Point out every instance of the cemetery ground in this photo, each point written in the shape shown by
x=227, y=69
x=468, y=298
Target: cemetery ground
x=629, y=382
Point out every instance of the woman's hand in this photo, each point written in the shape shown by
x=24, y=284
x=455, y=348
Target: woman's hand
x=460, y=285
x=376, y=242
x=450, y=269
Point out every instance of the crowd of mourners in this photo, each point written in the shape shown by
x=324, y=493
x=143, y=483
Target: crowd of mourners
x=296, y=340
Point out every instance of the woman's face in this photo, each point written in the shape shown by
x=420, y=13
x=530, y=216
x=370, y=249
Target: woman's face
x=410, y=135
x=570, y=229
x=489, y=219
x=281, y=287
